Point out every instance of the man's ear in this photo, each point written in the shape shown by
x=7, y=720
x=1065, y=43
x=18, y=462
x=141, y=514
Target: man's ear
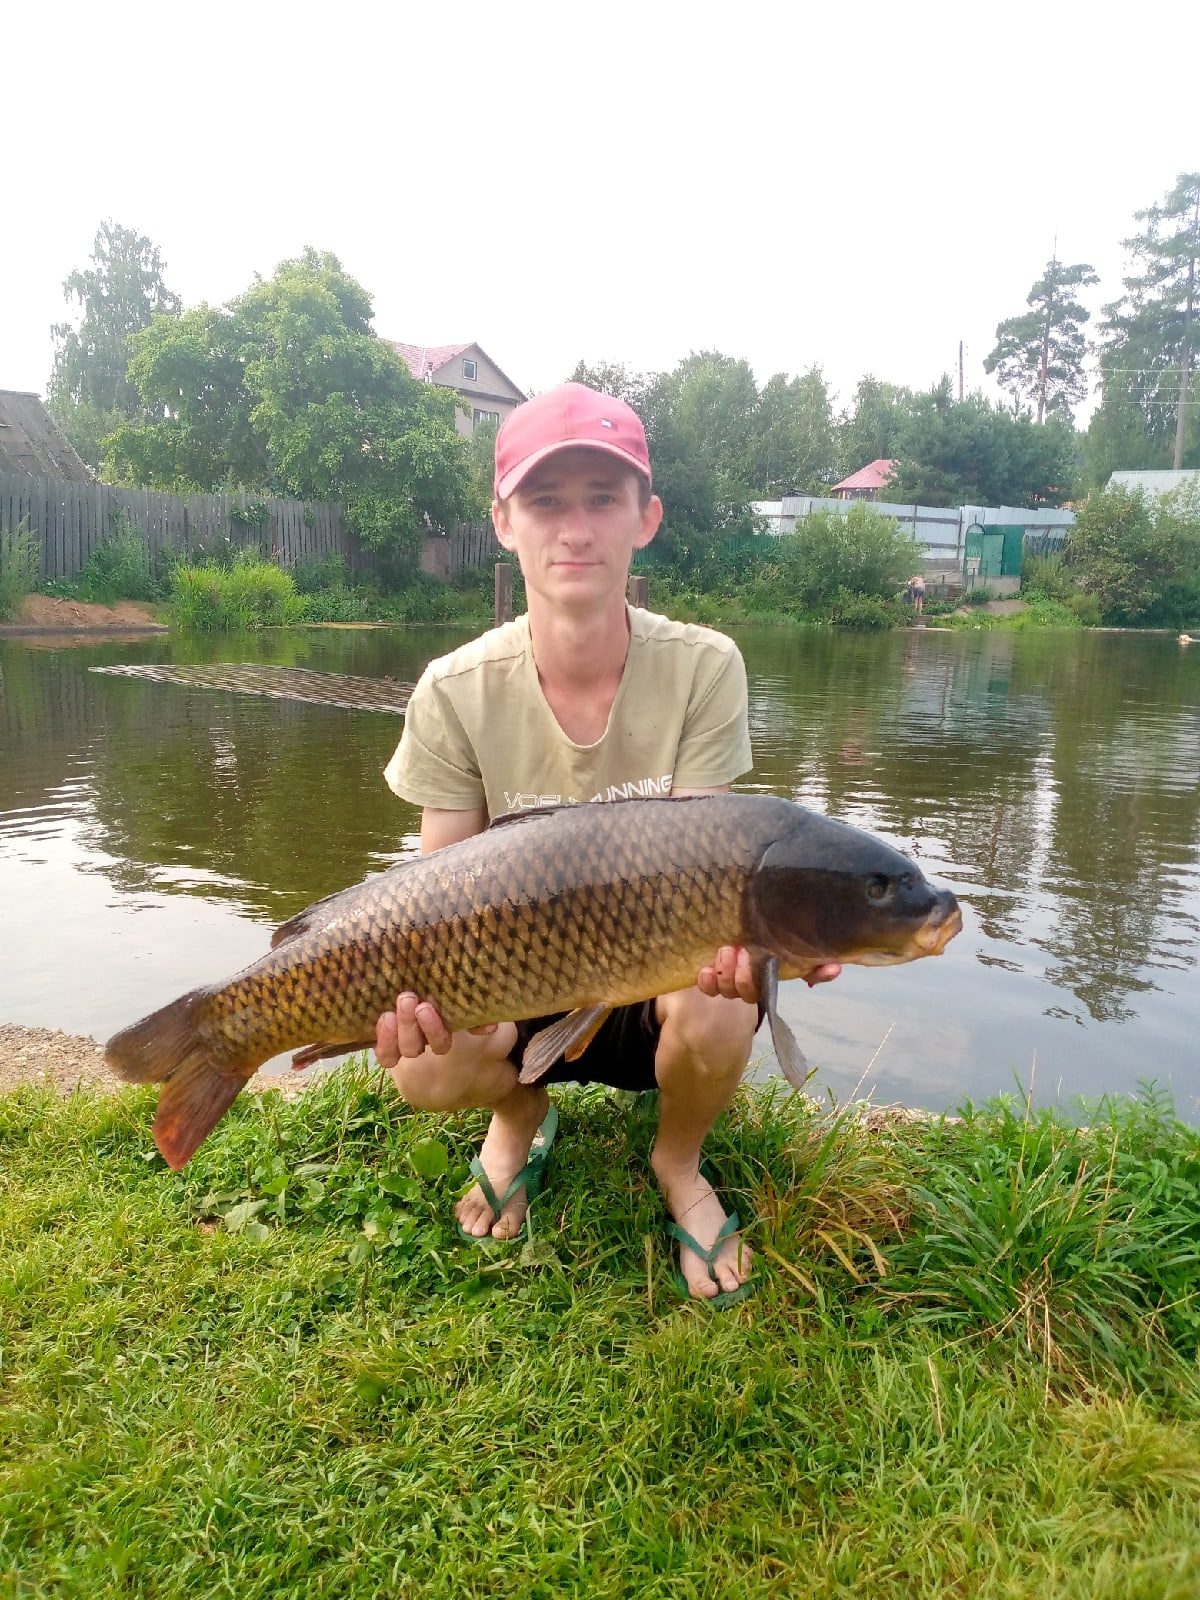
x=502, y=526
x=651, y=520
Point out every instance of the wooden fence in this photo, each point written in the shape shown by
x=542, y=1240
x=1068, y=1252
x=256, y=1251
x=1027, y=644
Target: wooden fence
x=72, y=519
x=469, y=544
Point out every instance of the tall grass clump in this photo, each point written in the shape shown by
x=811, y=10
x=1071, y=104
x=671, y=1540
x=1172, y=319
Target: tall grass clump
x=249, y=594
x=1080, y=1245
x=20, y=561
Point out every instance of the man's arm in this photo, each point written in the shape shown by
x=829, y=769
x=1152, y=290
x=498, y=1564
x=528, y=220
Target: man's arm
x=440, y=828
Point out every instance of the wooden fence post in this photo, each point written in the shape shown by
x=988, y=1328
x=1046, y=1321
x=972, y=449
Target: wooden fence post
x=639, y=586
x=504, y=575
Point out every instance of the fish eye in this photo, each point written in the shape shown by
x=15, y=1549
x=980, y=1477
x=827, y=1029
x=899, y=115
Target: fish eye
x=878, y=888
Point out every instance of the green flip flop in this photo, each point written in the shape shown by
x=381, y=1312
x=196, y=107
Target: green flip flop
x=725, y=1297
x=530, y=1178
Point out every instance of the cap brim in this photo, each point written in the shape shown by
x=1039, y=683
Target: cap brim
x=512, y=479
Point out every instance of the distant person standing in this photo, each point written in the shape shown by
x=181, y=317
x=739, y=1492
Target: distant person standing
x=916, y=588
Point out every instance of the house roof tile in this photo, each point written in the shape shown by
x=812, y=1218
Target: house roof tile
x=874, y=476
x=423, y=360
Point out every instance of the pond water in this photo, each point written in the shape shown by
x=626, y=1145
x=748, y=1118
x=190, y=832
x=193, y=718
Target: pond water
x=152, y=833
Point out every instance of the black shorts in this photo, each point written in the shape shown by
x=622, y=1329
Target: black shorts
x=621, y=1054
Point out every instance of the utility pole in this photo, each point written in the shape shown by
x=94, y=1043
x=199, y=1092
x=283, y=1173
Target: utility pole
x=960, y=371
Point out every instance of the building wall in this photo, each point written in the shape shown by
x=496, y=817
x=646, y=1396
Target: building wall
x=489, y=391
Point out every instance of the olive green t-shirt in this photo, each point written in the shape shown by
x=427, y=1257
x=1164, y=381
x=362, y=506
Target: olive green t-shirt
x=478, y=730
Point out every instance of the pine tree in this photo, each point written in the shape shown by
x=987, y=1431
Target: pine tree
x=1150, y=333
x=1039, y=355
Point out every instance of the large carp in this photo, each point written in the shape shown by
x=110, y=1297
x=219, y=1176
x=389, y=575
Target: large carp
x=578, y=909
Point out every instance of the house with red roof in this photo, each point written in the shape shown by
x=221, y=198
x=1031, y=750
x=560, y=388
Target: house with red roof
x=487, y=393
x=866, y=483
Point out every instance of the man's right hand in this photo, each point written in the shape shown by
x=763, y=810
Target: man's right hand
x=412, y=1027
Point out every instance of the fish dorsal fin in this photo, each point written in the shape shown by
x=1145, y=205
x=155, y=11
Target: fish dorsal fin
x=312, y=916
x=569, y=1037
x=321, y=911
x=529, y=813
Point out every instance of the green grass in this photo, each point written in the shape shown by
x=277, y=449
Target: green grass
x=19, y=560
x=282, y=1373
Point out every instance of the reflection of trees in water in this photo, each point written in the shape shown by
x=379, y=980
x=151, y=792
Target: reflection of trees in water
x=266, y=803
x=285, y=802
x=1056, y=777
x=1127, y=774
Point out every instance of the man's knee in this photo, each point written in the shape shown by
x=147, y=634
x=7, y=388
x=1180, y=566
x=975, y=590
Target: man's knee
x=474, y=1071
x=714, y=1034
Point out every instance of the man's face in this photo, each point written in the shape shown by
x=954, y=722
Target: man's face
x=574, y=523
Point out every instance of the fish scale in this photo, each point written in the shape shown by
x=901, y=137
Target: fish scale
x=556, y=911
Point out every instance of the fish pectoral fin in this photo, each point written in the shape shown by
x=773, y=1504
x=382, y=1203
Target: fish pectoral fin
x=568, y=1037
x=322, y=1052
x=792, y=1061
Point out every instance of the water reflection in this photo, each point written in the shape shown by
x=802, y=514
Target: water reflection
x=1053, y=781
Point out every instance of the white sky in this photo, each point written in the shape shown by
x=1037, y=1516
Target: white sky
x=860, y=186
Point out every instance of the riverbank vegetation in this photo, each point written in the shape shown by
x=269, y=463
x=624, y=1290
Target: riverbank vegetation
x=969, y=1366
x=1130, y=560
x=288, y=390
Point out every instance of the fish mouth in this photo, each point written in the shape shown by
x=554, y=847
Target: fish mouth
x=933, y=938
x=930, y=939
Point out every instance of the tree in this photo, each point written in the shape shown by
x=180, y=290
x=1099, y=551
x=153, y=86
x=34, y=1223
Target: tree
x=1135, y=552
x=793, y=447
x=1148, y=352
x=288, y=391
x=90, y=391
x=871, y=430
x=971, y=452
x=699, y=422
x=835, y=556
x=1039, y=355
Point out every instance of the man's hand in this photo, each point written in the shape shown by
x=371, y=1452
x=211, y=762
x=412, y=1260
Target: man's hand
x=731, y=976
x=412, y=1027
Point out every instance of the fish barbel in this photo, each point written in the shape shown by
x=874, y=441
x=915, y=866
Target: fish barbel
x=579, y=909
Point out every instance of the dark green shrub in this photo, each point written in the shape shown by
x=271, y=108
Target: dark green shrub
x=118, y=569
x=314, y=574
x=862, y=611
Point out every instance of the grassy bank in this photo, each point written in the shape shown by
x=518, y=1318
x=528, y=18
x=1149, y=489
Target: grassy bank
x=970, y=1366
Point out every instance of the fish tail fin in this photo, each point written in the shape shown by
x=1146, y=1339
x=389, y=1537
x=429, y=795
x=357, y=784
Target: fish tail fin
x=166, y=1047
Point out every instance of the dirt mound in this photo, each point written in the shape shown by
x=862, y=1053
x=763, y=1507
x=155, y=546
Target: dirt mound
x=40, y=613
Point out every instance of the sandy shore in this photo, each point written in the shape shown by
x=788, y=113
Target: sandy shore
x=40, y=614
x=66, y=1062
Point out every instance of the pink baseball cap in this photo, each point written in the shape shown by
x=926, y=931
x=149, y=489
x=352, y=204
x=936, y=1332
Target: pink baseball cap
x=571, y=415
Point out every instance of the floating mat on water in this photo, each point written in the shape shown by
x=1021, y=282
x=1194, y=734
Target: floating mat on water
x=277, y=683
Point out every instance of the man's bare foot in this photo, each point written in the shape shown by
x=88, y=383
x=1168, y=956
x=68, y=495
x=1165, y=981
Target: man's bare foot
x=505, y=1151
x=695, y=1206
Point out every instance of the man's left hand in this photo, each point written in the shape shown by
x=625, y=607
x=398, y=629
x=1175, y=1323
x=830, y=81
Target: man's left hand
x=732, y=977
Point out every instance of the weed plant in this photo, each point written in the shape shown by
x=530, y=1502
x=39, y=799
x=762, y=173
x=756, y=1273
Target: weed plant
x=20, y=560
x=281, y=1372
